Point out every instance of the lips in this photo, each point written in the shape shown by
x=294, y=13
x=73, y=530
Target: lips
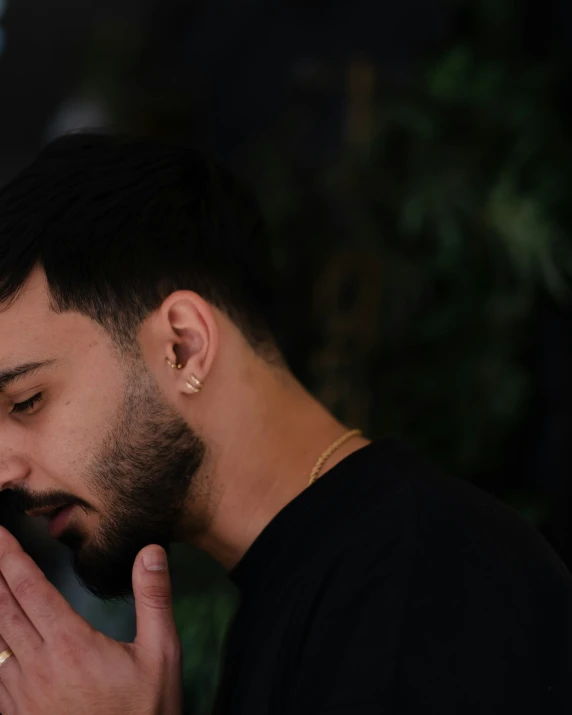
x=49, y=511
x=58, y=517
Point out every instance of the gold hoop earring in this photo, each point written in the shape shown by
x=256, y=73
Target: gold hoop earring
x=196, y=382
x=178, y=366
x=194, y=385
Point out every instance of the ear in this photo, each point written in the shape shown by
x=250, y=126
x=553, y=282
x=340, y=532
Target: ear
x=182, y=333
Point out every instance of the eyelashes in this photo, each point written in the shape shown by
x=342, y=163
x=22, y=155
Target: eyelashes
x=27, y=405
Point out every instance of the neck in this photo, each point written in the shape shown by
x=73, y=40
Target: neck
x=263, y=456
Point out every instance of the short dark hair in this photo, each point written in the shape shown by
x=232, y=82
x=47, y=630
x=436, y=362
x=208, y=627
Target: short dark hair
x=118, y=223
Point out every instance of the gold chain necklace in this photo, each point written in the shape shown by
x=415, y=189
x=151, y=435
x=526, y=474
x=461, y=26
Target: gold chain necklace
x=315, y=473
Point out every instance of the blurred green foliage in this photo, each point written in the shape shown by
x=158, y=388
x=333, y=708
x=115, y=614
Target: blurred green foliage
x=202, y=621
x=204, y=602
x=424, y=245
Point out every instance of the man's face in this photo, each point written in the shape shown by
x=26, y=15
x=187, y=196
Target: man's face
x=101, y=437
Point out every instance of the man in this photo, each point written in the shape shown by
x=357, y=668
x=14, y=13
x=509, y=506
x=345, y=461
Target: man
x=144, y=401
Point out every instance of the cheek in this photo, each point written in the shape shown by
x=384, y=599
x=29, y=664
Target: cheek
x=69, y=435
x=62, y=449
x=90, y=522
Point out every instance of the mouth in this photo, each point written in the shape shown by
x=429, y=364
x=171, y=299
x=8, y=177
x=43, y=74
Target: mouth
x=49, y=511
x=57, y=517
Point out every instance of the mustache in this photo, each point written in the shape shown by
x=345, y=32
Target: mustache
x=23, y=500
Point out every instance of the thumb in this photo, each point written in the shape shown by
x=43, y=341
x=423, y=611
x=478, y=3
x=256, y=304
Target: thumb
x=153, y=603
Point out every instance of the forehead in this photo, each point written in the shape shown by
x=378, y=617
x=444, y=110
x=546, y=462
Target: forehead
x=30, y=329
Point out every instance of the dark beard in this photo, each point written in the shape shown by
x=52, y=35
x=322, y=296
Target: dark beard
x=143, y=478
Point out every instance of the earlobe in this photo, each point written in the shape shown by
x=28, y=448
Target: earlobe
x=193, y=383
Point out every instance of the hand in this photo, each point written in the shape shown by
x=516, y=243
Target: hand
x=62, y=665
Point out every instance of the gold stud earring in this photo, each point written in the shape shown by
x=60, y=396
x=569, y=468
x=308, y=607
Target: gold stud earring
x=178, y=366
x=194, y=384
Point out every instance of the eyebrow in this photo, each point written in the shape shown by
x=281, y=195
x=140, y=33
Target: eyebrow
x=7, y=377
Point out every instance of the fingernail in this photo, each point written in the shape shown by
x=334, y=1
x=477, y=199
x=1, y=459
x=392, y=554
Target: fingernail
x=155, y=560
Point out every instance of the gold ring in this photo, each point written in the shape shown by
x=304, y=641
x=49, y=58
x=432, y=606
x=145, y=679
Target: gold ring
x=5, y=655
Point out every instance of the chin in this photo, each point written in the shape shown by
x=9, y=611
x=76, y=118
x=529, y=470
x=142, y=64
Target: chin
x=104, y=575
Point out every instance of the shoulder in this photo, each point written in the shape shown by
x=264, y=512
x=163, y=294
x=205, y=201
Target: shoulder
x=421, y=552
x=402, y=498
x=437, y=579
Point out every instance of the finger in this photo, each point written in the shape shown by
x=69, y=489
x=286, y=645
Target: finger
x=153, y=605
x=46, y=609
x=15, y=626
x=9, y=667
x=7, y=706
x=8, y=543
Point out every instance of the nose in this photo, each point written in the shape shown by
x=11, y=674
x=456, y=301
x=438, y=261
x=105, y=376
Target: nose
x=13, y=469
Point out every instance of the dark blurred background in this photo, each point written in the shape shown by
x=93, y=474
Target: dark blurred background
x=414, y=161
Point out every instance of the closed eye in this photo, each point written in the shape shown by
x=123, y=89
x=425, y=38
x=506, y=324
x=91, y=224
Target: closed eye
x=27, y=405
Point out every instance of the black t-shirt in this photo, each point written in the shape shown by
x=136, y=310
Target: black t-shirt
x=387, y=588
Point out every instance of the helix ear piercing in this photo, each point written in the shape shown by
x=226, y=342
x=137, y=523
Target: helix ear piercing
x=177, y=366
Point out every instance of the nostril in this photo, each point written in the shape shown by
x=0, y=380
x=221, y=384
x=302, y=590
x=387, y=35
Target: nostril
x=12, y=474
